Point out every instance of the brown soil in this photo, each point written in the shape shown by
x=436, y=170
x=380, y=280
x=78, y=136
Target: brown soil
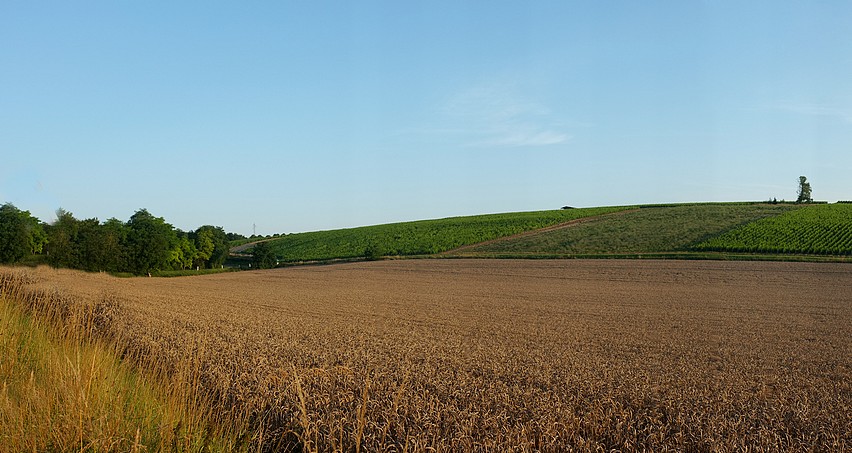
x=498, y=354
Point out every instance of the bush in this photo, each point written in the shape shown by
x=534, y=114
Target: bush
x=374, y=252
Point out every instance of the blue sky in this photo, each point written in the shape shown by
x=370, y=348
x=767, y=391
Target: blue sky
x=299, y=116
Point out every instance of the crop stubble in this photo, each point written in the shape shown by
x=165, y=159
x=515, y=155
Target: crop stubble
x=478, y=354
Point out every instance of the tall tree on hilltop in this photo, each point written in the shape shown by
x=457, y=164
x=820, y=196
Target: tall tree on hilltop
x=804, y=191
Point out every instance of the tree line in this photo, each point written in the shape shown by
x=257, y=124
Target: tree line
x=143, y=244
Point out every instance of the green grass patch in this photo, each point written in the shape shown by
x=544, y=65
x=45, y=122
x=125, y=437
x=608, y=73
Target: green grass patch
x=423, y=237
x=824, y=229
x=175, y=273
x=657, y=229
x=190, y=272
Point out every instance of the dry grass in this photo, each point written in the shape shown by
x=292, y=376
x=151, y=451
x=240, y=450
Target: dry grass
x=63, y=386
x=505, y=355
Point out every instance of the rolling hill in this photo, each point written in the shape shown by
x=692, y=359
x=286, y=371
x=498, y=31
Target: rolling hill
x=651, y=229
x=699, y=230
x=425, y=237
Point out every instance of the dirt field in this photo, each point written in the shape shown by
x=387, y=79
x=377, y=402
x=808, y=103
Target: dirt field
x=476, y=354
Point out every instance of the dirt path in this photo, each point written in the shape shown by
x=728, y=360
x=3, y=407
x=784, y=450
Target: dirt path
x=559, y=226
x=240, y=249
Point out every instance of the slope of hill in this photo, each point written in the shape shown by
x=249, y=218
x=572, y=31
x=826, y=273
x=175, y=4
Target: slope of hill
x=680, y=230
x=652, y=229
x=423, y=237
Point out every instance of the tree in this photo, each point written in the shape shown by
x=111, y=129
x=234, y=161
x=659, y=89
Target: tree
x=804, y=191
x=89, y=251
x=150, y=242
x=221, y=247
x=188, y=252
x=62, y=240
x=262, y=256
x=204, y=247
x=374, y=251
x=184, y=253
x=212, y=244
x=234, y=236
x=21, y=234
x=86, y=244
x=114, y=245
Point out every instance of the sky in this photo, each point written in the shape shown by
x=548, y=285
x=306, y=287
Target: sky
x=281, y=117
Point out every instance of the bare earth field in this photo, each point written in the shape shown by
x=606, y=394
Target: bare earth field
x=510, y=355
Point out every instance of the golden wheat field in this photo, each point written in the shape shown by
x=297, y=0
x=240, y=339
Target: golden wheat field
x=502, y=355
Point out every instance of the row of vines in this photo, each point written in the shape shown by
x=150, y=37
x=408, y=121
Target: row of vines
x=421, y=237
x=820, y=230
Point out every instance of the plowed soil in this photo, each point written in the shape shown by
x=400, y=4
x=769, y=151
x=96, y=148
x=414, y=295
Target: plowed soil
x=526, y=355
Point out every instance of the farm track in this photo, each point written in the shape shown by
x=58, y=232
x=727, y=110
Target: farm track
x=568, y=224
x=240, y=249
x=470, y=355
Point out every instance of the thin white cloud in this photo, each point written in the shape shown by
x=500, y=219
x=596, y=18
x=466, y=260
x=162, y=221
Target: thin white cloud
x=497, y=115
x=532, y=138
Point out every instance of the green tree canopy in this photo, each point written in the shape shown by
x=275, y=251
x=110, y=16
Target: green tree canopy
x=21, y=234
x=143, y=244
x=804, y=191
x=185, y=254
x=115, y=240
x=262, y=256
x=90, y=253
x=62, y=239
x=150, y=242
x=204, y=247
x=212, y=244
x=86, y=244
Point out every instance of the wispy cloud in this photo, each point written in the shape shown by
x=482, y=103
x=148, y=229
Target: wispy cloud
x=531, y=138
x=844, y=115
x=498, y=115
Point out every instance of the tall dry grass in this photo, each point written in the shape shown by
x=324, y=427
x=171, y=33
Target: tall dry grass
x=65, y=384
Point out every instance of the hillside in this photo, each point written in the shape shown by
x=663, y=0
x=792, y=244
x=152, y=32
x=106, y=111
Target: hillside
x=687, y=230
x=651, y=229
x=824, y=229
x=425, y=237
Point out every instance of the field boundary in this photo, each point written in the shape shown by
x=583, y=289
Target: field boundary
x=710, y=256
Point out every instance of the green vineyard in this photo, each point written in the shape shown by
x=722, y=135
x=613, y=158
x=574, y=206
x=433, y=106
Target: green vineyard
x=817, y=230
x=422, y=237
